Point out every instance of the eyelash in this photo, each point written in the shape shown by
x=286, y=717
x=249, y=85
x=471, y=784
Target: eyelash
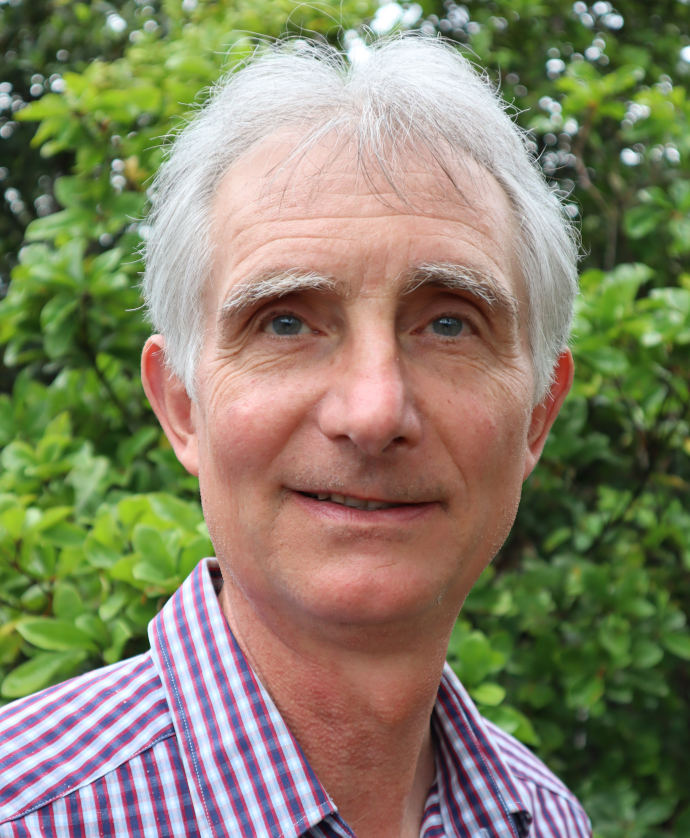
x=469, y=326
x=268, y=318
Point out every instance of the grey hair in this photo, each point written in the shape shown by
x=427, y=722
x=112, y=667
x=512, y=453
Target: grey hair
x=413, y=93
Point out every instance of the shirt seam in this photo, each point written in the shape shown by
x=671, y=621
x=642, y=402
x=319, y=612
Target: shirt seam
x=78, y=786
x=299, y=824
x=576, y=808
x=187, y=733
x=551, y=788
x=489, y=774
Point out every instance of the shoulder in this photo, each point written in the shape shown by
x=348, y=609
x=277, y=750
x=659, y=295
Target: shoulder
x=71, y=735
x=555, y=809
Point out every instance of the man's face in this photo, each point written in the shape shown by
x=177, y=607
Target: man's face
x=362, y=439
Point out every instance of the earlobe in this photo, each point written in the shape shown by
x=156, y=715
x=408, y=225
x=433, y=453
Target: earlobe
x=170, y=402
x=544, y=414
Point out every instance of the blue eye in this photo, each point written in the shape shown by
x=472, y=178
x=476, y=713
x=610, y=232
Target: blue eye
x=447, y=326
x=286, y=325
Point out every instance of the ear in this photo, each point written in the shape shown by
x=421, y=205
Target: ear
x=170, y=402
x=544, y=413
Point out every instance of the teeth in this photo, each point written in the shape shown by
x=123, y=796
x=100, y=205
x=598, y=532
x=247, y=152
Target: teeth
x=355, y=503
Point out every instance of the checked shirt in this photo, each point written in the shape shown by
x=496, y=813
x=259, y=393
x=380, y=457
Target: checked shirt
x=185, y=741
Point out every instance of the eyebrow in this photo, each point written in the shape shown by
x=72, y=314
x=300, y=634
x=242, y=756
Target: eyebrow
x=272, y=284
x=480, y=284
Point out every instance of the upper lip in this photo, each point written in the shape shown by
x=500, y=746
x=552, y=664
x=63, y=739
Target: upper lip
x=356, y=499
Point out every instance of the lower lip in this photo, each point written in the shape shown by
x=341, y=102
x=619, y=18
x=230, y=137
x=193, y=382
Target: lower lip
x=350, y=514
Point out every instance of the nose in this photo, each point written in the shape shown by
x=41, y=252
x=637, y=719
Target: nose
x=369, y=398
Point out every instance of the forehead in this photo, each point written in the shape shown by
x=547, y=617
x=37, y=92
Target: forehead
x=329, y=211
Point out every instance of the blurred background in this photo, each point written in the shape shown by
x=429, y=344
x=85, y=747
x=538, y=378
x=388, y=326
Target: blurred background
x=576, y=639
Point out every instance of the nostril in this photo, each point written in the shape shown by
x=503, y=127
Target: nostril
x=395, y=442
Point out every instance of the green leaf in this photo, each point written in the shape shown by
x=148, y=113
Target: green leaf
x=608, y=360
x=489, y=694
x=133, y=447
x=53, y=516
x=89, y=477
x=67, y=601
x=655, y=811
x=10, y=645
x=677, y=644
x=199, y=548
x=94, y=628
x=40, y=671
x=154, y=574
x=60, y=337
x=646, y=654
x=123, y=569
x=677, y=299
x=58, y=309
x=614, y=634
x=473, y=658
x=112, y=605
x=132, y=509
x=12, y=522
x=65, y=534
x=120, y=634
x=154, y=551
x=513, y=722
x=54, y=634
x=171, y=508
x=63, y=225
x=69, y=190
x=34, y=599
x=584, y=692
x=49, y=105
x=642, y=220
x=18, y=456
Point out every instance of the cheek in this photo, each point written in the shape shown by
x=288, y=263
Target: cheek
x=488, y=435
x=249, y=426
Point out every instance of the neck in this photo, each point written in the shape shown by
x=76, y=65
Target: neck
x=359, y=702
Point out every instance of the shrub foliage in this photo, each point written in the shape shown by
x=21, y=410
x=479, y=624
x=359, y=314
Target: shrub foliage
x=576, y=638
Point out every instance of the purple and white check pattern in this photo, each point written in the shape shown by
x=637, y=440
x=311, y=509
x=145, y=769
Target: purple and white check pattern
x=185, y=741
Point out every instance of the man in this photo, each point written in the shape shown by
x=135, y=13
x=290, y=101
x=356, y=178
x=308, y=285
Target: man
x=362, y=289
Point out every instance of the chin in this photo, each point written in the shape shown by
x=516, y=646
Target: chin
x=385, y=595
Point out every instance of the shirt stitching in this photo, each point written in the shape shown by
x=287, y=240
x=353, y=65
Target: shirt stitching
x=23, y=813
x=188, y=735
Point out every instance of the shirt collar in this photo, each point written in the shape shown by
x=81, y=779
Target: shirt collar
x=246, y=772
x=476, y=788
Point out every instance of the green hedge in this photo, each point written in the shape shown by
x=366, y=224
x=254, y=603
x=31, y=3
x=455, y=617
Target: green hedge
x=576, y=638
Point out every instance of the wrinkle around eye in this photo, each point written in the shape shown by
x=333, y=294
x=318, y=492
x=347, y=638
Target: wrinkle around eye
x=232, y=366
x=252, y=346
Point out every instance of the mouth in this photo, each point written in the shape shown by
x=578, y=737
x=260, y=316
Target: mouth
x=353, y=502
